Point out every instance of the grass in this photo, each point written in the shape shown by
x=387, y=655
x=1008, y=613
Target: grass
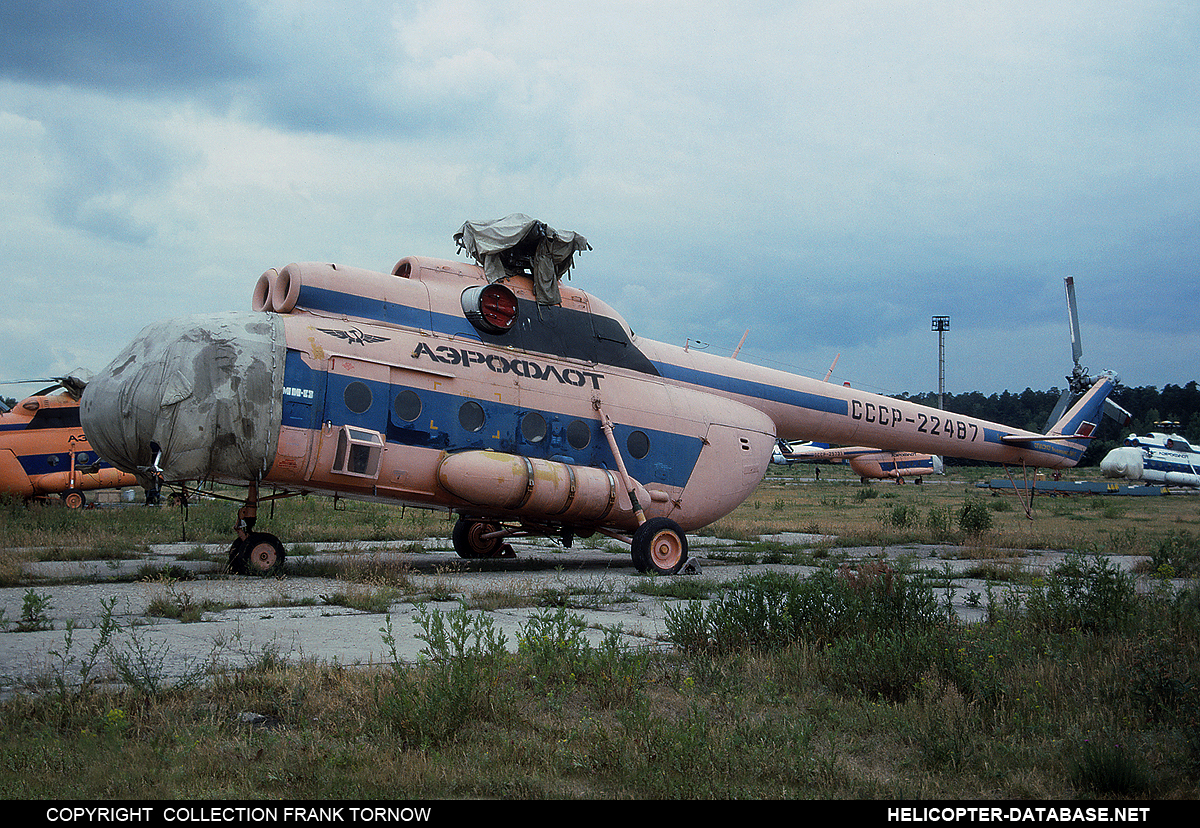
x=1001, y=710
x=931, y=512
x=853, y=683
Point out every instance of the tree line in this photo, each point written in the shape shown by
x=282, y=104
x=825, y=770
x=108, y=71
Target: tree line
x=1030, y=410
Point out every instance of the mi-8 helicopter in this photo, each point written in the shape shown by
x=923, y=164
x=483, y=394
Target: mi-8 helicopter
x=492, y=390
x=44, y=453
x=868, y=463
x=1156, y=458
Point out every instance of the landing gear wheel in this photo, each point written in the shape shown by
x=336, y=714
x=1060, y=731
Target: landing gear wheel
x=259, y=554
x=659, y=545
x=73, y=499
x=469, y=540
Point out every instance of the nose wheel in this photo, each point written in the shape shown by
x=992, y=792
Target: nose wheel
x=254, y=553
x=260, y=553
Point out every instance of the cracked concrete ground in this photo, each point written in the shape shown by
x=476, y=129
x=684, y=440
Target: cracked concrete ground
x=299, y=617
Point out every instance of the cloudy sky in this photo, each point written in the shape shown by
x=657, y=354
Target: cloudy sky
x=827, y=175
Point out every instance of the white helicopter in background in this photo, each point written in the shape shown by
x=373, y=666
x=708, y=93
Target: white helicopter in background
x=1155, y=458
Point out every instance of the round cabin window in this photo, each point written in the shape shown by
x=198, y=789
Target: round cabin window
x=357, y=397
x=408, y=405
x=579, y=435
x=470, y=416
x=533, y=427
x=638, y=445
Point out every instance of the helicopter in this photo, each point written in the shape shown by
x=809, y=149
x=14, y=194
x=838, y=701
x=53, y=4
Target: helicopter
x=868, y=463
x=493, y=391
x=1157, y=458
x=45, y=454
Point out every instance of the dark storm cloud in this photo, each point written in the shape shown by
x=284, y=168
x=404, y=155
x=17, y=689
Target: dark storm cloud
x=143, y=47
x=298, y=68
x=827, y=175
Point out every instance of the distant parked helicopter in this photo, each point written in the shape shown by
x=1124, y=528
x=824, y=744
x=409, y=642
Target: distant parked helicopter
x=44, y=452
x=868, y=463
x=522, y=405
x=1159, y=458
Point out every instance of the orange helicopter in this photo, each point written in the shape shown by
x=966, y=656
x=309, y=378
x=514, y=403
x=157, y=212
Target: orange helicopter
x=44, y=452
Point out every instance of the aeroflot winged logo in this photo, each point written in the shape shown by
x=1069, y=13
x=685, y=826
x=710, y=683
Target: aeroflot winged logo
x=497, y=364
x=354, y=336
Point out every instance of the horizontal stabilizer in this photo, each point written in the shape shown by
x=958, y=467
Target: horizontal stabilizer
x=1037, y=438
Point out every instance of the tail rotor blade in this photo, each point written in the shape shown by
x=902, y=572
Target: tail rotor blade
x=1116, y=412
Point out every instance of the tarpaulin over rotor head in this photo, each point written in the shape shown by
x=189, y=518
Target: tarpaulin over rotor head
x=519, y=244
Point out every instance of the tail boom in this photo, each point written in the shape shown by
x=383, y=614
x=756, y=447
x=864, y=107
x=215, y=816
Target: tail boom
x=808, y=409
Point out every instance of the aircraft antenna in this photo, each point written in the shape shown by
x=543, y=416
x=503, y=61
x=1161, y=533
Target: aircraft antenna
x=829, y=373
x=740, y=344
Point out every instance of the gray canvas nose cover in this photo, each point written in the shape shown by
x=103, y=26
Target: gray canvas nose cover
x=205, y=390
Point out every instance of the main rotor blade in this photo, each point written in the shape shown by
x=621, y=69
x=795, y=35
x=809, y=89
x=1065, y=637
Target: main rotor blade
x=73, y=383
x=1064, y=399
x=1076, y=341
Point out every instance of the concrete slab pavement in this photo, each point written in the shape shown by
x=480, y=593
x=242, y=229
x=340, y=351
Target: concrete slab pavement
x=300, y=617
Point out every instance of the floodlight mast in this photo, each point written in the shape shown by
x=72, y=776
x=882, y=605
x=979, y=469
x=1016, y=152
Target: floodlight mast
x=941, y=324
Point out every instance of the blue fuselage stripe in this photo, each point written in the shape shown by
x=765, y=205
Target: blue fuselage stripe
x=312, y=396
x=370, y=309
x=749, y=388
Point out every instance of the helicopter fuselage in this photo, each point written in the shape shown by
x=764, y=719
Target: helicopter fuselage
x=44, y=452
x=433, y=387
x=1155, y=458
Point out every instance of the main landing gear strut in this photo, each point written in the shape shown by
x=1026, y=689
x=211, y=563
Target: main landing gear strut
x=254, y=553
x=658, y=544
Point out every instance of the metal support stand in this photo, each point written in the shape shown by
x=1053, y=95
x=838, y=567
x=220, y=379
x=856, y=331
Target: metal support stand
x=247, y=515
x=1027, y=498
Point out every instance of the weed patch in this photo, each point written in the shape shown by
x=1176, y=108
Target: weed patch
x=1088, y=594
x=772, y=611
